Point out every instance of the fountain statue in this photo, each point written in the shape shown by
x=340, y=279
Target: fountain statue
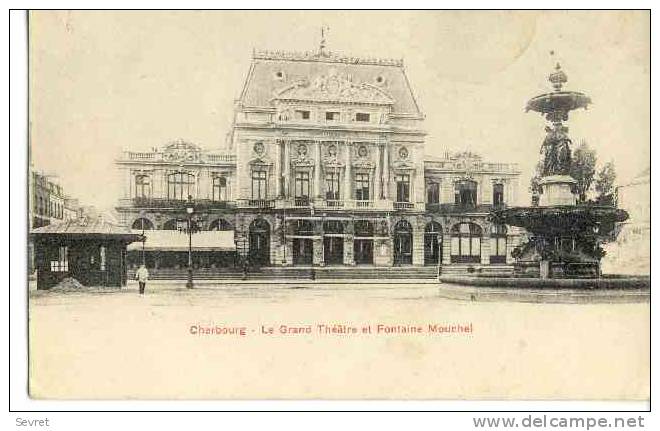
x=563, y=236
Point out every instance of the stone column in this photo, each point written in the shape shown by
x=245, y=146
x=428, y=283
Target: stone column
x=287, y=167
x=446, y=247
x=386, y=171
x=418, y=191
x=485, y=250
x=278, y=168
x=317, y=171
x=317, y=254
x=348, y=245
x=348, y=187
x=417, y=243
x=378, y=183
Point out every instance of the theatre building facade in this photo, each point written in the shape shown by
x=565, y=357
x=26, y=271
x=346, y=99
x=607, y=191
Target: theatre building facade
x=325, y=165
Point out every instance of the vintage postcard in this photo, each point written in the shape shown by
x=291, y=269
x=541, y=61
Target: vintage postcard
x=393, y=205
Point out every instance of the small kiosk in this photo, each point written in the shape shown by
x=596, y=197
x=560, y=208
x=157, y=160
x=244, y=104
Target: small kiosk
x=91, y=251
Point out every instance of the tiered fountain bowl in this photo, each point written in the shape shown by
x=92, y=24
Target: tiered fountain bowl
x=563, y=236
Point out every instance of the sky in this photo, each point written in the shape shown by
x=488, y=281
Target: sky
x=102, y=82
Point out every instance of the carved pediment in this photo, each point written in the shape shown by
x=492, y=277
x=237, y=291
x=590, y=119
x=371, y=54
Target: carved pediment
x=264, y=161
x=364, y=164
x=403, y=165
x=332, y=162
x=334, y=87
x=182, y=151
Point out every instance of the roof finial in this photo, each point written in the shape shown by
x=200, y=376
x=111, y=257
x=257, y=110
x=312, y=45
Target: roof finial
x=324, y=30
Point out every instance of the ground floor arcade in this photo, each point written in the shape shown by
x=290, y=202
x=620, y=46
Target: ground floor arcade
x=305, y=239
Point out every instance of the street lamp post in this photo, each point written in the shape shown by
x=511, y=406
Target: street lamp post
x=142, y=214
x=189, y=211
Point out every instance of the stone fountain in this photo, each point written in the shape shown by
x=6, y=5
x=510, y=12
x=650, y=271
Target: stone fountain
x=563, y=236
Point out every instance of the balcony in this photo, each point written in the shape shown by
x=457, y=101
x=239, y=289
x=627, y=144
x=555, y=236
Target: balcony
x=173, y=203
x=256, y=203
x=301, y=202
x=403, y=205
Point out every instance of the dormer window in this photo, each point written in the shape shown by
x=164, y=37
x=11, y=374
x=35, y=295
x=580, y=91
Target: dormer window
x=332, y=116
x=362, y=116
x=302, y=115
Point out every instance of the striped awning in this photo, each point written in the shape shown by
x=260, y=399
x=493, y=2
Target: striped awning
x=174, y=240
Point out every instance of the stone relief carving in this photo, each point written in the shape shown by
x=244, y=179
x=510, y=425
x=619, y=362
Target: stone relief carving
x=301, y=157
x=336, y=87
x=182, y=151
x=331, y=159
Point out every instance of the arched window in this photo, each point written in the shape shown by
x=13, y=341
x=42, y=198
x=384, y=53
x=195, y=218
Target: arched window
x=498, y=243
x=220, y=224
x=180, y=185
x=219, y=188
x=142, y=224
x=142, y=186
x=466, y=243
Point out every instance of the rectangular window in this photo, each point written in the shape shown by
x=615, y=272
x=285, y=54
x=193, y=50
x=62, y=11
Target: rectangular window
x=476, y=246
x=433, y=193
x=332, y=116
x=361, y=116
x=498, y=246
x=362, y=187
x=498, y=194
x=142, y=186
x=466, y=193
x=62, y=262
x=332, y=186
x=402, y=188
x=259, y=185
x=301, y=186
x=102, y=258
x=302, y=115
x=219, y=189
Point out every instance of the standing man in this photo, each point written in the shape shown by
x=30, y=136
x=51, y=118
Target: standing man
x=142, y=276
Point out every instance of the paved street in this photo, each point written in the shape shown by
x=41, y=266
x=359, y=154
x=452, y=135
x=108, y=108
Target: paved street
x=330, y=341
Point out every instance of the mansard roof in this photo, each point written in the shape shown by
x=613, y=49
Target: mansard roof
x=305, y=76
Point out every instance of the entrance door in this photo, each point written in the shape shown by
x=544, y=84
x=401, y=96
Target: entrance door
x=302, y=251
x=402, y=243
x=431, y=249
x=259, y=252
x=402, y=249
x=333, y=250
x=363, y=251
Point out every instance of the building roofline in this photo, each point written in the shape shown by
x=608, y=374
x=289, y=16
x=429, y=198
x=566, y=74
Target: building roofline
x=322, y=57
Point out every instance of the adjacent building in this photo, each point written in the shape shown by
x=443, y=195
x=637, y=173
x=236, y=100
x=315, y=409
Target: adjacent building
x=325, y=165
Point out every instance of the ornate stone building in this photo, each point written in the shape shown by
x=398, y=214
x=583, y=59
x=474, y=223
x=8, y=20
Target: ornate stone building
x=326, y=165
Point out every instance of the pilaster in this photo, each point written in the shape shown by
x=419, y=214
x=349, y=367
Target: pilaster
x=348, y=177
x=446, y=249
x=485, y=250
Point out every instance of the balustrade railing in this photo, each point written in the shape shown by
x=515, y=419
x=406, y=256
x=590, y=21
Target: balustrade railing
x=403, y=205
x=256, y=203
x=174, y=203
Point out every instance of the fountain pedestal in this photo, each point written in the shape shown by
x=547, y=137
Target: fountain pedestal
x=557, y=190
